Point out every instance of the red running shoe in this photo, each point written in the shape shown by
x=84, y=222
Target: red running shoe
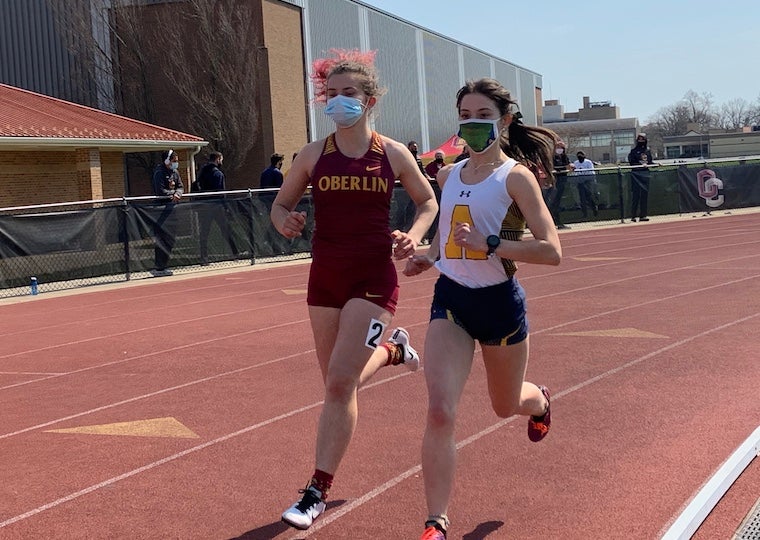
x=538, y=426
x=432, y=533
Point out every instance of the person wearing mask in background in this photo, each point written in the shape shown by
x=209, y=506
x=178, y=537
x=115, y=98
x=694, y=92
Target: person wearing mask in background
x=432, y=168
x=353, y=284
x=414, y=149
x=640, y=158
x=211, y=179
x=166, y=183
x=586, y=180
x=272, y=177
x=554, y=194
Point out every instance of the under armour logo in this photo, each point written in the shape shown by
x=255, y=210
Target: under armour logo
x=464, y=194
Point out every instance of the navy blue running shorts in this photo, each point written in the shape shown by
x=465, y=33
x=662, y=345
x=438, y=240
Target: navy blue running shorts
x=494, y=315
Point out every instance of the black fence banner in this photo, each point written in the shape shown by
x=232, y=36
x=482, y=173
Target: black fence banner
x=715, y=187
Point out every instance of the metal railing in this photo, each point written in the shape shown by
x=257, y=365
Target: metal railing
x=75, y=244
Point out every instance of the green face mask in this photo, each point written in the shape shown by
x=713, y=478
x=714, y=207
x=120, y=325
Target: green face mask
x=480, y=134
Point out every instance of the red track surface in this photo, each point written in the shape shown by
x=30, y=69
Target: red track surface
x=646, y=334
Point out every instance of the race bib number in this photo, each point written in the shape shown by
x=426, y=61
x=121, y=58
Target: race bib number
x=374, y=334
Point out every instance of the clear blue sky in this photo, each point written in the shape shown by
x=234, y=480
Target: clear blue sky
x=641, y=55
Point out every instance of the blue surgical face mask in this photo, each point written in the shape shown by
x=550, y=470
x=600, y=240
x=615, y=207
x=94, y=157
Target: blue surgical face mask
x=175, y=165
x=480, y=134
x=345, y=111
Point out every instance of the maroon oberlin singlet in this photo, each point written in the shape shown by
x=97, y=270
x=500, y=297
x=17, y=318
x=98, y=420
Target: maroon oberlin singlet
x=352, y=200
x=352, y=243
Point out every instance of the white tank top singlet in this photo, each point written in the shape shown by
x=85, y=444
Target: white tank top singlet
x=488, y=207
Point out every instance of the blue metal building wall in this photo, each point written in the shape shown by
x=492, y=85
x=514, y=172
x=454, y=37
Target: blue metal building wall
x=422, y=70
x=33, y=54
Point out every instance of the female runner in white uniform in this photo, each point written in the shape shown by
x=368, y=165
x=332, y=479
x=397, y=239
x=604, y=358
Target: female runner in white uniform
x=485, y=204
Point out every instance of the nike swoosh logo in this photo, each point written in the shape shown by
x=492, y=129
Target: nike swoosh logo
x=370, y=295
x=372, y=168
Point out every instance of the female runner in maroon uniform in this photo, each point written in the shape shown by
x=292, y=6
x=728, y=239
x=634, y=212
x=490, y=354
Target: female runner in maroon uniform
x=353, y=285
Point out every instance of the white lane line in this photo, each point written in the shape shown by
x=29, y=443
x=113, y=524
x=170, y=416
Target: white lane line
x=152, y=394
x=191, y=383
x=170, y=324
x=46, y=373
x=346, y=508
x=378, y=490
x=157, y=353
x=152, y=465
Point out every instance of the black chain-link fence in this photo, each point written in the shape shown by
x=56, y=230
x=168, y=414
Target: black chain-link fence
x=76, y=244
x=71, y=245
x=608, y=194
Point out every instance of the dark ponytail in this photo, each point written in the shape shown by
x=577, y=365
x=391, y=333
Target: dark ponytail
x=533, y=147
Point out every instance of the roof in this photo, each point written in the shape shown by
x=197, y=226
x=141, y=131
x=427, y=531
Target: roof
x=453, y=146
x=588, y=126
x=38, y=121
x=692, y=136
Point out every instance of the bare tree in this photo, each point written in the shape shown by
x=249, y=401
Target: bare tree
x=700, y=108
x=672, y=120
x=574, y=137
x=84, y=31
x=213, y=57
x=189, y=65
x=754, y=113
x=735, y=114
x=692, y=109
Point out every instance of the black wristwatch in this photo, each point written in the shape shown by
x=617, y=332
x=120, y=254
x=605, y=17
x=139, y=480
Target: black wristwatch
x=492, y=241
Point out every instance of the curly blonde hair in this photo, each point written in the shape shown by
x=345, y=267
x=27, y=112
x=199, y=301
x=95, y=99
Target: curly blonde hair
x=345, y=61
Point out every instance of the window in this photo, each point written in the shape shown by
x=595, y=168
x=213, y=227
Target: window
x=691, y=150
x=624, y=138
x=601, y=139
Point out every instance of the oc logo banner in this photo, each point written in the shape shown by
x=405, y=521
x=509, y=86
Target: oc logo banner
x=709, y=185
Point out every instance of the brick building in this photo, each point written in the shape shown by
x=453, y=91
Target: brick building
x=422, y=69
x=54, y=151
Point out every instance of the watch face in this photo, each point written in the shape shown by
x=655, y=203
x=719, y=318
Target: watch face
x=493, y=241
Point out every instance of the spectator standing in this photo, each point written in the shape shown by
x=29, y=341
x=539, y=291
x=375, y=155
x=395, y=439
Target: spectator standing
x=555, y=193
x=410, y=210
x=292, y=159
x=211, y=179
x=353, y=284
x=586, y=180
x=272, y=176
x=166, y=183
x=432, y=168
x=414, y=149
x=640, y=158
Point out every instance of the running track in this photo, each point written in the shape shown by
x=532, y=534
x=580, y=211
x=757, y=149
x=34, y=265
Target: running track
x=204, y=393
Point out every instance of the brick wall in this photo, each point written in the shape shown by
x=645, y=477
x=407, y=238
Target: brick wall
x=36, y=177
x=112, y=173
x=284, y=43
